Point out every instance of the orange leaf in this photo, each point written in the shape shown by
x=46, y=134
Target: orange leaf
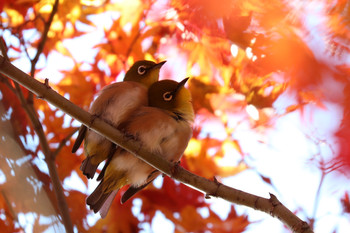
x=292, y=108
x=76, y=203
x=119, y=219
x=235, y=27
x=67, y=162
x=75, y=84
x=302, y=68
x=170, y=198
x=14, y=109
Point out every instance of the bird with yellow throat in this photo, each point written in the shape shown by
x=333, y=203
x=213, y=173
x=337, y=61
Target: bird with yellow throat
x=114, y=104
x=163, y=127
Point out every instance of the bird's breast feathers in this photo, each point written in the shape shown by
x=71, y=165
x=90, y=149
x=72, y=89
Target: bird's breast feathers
x=159, y=132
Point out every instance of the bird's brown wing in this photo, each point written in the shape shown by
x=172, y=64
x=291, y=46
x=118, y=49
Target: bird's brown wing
x=80, y=138
x=113, y=150
x=131, y=191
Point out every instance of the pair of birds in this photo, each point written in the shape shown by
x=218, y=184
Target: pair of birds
x=159, y=114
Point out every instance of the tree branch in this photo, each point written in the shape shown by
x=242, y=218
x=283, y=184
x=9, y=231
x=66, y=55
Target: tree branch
x=44, y=37
x=41, y=46
x=27, y=104
x=211, y=188
x=49, y=158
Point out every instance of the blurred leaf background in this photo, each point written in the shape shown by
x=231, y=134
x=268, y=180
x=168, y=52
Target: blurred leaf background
x=270, y=88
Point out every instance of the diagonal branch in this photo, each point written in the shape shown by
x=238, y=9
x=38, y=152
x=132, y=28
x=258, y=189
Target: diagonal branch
x=212, y=188
x=41, y=46
x=44, y=37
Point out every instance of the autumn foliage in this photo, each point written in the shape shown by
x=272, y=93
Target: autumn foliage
x=241, y=56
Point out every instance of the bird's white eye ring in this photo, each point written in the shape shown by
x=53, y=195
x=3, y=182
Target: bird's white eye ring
x=141, y=70
x=167, y=96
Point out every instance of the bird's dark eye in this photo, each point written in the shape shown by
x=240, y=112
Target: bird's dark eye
x=167, y=96
x=141, y=70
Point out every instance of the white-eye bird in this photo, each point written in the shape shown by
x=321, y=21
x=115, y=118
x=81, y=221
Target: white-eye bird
x=114, y=104
x=163, y=127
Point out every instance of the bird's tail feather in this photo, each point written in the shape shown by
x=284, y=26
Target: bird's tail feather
x=98, y=201
x=107, y=204
x=88, y=168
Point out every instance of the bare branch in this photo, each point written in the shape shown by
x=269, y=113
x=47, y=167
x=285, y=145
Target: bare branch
x=44, y=37
x=27, y=104
x=61, y=199
x=49, y=156
x=3, y=48
x=63, y=143
x=41, y=46
x=268, y=205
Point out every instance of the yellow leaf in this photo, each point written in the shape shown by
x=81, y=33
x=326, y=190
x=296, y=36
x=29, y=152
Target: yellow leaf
x=61, y=49
x=130, y=10
x=16, y=18
x=226, y=171
x=56, y=26
x=193, y=149
x=231, y=146
x=94, y=3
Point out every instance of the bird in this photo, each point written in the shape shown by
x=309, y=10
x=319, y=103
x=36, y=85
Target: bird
x=114, y=104
x=163, y=127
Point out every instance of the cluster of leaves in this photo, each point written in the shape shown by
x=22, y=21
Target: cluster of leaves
x=240, y=53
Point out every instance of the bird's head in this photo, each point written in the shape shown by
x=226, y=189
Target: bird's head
x=172, y=96
x=145, y=72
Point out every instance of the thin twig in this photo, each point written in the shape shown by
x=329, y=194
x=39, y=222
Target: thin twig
x=23, y=43
x=137, y=36
x=50, y=156
x=4, y=49
x=44, y=37
x=41, y=46
x=63, y=143
x=317, y=200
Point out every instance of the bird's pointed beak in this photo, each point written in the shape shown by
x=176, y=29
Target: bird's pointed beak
x=158, y=65
x=181, y=84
